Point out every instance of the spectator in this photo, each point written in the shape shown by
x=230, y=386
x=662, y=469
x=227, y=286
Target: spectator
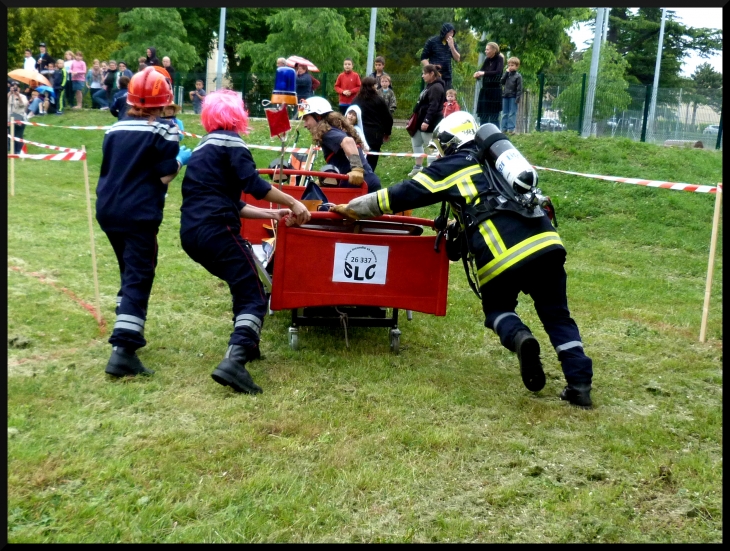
x=104, y=71
x=78, y=75
x=45, y=64
x=451, y=105
x=123, y=71
x=512, y=83
x=440, y=50
x=378, y=73
x=347, y=85
x=489, y=103
x=110, y=82
x=354, y=117
x=119, y=105
x=60, y=77
x=387, y=93
x=377, y=121
x=304, y=82
x=429, y=112
x=169, y=112
x=151, y=58
x=68, y=59
x=141, y=63
x=93, y=82
x=35, y=106
x=28, y=61
x=281, y=62
x=17, y=104
x=169, y=68
x=197, y=96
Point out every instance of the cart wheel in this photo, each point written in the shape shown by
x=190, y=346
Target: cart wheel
x=293, y=338
x=395, y=341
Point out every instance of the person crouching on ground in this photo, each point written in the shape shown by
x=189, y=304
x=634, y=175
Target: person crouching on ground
x=220, y=169
x=140, y=157
x=341, y=145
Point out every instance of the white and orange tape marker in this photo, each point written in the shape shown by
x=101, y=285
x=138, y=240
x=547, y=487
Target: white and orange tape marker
x=70, y=156
x=45, y=146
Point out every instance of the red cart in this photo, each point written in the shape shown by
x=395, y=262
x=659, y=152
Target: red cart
x=358, y=269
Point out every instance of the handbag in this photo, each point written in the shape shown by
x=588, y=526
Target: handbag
x=412, y=126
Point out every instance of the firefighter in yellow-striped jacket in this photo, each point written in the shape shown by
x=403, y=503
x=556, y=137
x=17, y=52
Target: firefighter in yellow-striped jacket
x=514, y=248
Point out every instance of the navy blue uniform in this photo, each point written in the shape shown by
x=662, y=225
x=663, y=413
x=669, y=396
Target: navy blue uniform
x=335, y=155
x=220, y=168
x=129, y=202
x=513, y=254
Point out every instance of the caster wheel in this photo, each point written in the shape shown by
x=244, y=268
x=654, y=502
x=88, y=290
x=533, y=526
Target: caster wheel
x=395, y=341
x=293, y=338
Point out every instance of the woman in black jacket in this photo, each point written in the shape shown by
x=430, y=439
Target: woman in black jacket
x=152, y=57
x=377, y=121
x=489, y=104
x=429, y=111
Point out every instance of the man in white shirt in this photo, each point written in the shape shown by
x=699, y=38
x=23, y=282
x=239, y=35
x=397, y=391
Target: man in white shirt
x=29, y=62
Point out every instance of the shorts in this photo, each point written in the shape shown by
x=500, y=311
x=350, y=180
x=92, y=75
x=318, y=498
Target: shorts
x=78, y=85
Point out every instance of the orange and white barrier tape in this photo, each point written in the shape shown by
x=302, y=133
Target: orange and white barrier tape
x=73, y=156
x=55, y=147
x=29, y=123
x=678, y=186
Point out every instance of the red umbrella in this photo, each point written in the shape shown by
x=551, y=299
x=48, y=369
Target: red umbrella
x=295, y=59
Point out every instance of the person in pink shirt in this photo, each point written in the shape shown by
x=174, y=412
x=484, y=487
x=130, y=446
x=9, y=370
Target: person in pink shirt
x=78, y=77
x=347, y=85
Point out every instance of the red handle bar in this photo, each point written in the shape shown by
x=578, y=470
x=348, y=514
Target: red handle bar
x=383, y=218
x=292, y=172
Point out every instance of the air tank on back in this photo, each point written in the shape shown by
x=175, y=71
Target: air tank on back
x=495, y=148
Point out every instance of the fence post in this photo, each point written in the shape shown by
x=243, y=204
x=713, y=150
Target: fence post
x=582, y=103
x=541, y=80
x=719, y=133
x=647, y=103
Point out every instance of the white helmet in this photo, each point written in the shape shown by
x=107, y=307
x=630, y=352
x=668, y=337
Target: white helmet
x=453, y=132
x=315, y=106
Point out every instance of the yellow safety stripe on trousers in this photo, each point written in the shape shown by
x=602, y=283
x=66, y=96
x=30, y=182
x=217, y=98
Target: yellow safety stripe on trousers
x=383, y=201
x=516, y=253
x=462, y=179
x=492, y=238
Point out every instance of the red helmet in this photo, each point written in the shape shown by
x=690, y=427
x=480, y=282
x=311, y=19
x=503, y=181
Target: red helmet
x=149, y=88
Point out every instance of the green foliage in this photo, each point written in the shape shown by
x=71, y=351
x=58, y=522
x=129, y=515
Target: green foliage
x=161, y=28
x=611, y=86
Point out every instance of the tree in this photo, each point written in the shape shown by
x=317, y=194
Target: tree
x=707, y=89
x=161, y=28
x=611, y=94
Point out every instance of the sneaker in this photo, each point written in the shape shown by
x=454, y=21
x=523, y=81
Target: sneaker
x=232, y=371
x=416, y=170
x=59, y=113
x=578, y=395
x=103, y=108
x=528, y=353
x=125, y=363
x=30, y=115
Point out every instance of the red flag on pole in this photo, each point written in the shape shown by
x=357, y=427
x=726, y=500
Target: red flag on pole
x=278, y=120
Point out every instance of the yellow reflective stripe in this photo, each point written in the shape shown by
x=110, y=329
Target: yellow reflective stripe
x=497, y=238
x=492, y=239
x=433, y=186
x=384, y=201
x=517, y=253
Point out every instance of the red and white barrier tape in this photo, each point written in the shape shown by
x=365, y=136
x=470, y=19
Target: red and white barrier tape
x=58, y=126
x=57, y=148
x=639, y=182
x=74, y=156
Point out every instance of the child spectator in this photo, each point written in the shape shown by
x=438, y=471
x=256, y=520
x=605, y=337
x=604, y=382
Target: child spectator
x=387, y=93
x=169, y=112
x=347, y=85
x=28, y=61
x=379, y=71
x=512, y=91
x=354, y=117
x=197, y=96
x=450, y=105
x=68, y=59
x=78, y=75
x=60, y=76
x=142, y=63
x=119, y=105
x=94, y=78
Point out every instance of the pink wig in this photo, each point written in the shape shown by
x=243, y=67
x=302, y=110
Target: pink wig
x=224, y=110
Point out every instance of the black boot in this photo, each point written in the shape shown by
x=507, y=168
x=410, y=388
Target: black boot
x=125, y=363
x=232, y=371
x=578, y=395
x=528, y=353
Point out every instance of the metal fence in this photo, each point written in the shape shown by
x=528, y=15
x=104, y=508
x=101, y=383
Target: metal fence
x=547, y=104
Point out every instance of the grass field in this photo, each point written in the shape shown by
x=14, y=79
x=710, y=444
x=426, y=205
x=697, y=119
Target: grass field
x=441, y=443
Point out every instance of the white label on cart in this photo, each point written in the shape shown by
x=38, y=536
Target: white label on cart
x=360, y=263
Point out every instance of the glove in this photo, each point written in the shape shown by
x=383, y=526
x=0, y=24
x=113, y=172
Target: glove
x=345, y=212
x=184, y=155
x=356, y=176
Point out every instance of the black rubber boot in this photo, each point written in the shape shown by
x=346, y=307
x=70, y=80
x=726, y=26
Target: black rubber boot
x=232, y=371
x=578, y=394
x=528, y=353
x=125, y=363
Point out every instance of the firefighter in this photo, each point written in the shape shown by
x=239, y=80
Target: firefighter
x=140, y=157
x=514, y=250
x=341, y=145
x=220, y=169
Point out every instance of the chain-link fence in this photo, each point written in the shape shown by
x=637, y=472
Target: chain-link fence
x=553, y=104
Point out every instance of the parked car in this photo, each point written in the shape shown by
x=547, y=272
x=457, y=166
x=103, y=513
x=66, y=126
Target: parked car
x=712, y=129
x=550, y=125
x=613, y=123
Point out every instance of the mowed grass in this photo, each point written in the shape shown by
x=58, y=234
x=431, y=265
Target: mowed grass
x=441, y=443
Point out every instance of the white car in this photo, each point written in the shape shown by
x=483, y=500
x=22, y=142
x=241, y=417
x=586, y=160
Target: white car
x=712, y=129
